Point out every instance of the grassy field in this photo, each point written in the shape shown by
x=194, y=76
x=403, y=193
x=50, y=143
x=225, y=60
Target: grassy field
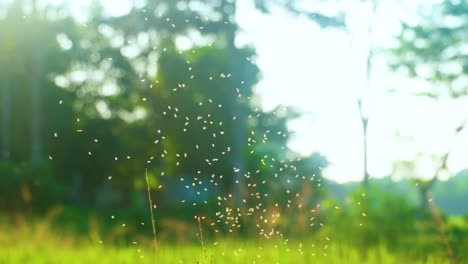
x=223, y=253
x=35, y=242
x=50, y=249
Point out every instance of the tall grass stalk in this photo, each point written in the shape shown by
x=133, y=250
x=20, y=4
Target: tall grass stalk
x=153, y=222
x=200, y=238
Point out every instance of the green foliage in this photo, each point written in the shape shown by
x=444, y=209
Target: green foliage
x=372, y=216
x=435, y=49
x=323, y=19
x=30, y=186
x=116, y=96
x=195, y=114
x=457, y=232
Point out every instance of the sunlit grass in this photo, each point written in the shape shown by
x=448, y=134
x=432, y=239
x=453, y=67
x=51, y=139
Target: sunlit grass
x=36, y=246
x=223, y=253
x=26, y=240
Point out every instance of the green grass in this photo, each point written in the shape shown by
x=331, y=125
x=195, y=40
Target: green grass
x=36, y=242
x=56, y=251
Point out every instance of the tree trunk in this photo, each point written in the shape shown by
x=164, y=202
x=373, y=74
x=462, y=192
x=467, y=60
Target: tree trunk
x=237, y=109
x=368, y=70
x=36, y=103
x=364, y=121
x=424, y=198
x=5, y=134
x=365, y=181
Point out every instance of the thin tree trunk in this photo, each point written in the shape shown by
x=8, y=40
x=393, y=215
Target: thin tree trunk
x=368, y=70
x=36, y=104
x=5, y=118
x=364, y=120
x=425, y=188
x=366, y=171
x=424, y=198
x=426, y=203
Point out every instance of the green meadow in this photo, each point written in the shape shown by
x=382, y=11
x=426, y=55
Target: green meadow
x=54, y=250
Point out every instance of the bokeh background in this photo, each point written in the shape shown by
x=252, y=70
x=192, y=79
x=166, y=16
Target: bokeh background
x=338, y=125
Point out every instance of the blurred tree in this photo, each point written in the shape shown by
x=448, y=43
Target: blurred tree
x=192, y=108
x=197, y=86
x=321, y=13
x=163, y=85
x=6, y=91
x=435, y=50
x=26, y=84
x=325, y=19
x=198, y=23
